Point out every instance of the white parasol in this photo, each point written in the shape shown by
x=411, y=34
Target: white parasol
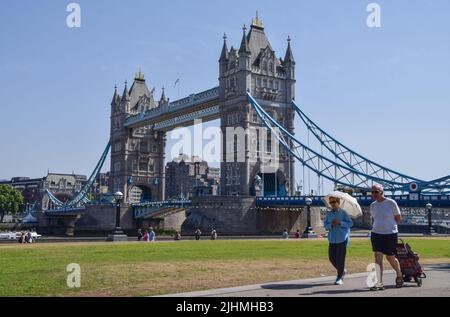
x=347, y=203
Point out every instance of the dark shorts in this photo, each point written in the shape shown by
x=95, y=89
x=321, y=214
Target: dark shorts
x=384, y=243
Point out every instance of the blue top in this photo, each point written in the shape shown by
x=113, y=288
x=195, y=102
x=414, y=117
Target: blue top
x=338, y=233
x=152, y=236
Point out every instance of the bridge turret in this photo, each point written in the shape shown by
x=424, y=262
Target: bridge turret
x=125, y=101
x=114, y=100
x=163, y=99
x=289, y=68
x=223, y=60
x=244, y=51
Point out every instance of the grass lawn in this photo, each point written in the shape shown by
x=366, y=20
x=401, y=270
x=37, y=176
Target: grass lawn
x=143, y=269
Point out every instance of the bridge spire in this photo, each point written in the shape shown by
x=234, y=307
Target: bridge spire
x=126, y=94
x=289, y=57
x=163, y=96
x=244, y=43
x=139, y=75
x=256, y=22
x=224, y=54
x=114, y=98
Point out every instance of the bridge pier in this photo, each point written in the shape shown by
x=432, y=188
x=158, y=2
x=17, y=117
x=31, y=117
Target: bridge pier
x=58, y=223
x=239, y=215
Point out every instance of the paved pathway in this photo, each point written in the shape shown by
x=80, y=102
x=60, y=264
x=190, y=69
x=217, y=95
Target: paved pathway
x=437, y=283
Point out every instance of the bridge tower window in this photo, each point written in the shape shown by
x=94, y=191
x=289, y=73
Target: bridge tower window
x=269, y=142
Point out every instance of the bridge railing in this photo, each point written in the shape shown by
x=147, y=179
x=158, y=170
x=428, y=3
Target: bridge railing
x=66, y=209
x=402, y=200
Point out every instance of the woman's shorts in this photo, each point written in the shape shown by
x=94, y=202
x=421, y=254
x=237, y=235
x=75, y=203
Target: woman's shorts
x=384, y=243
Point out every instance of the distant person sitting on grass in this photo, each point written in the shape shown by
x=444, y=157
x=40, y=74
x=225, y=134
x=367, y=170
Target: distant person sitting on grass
x=338, y=224
x=297, y=234
x=285, y=234
x=139, y=234
x=177, y=236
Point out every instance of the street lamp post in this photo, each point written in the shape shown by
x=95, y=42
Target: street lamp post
x=430, y=226
x=118, y=234
x=309, y=232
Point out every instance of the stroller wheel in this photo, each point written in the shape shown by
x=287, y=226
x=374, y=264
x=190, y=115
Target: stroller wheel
x=418, y=280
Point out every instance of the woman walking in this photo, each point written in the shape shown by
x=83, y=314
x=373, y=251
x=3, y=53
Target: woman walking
x=338, y=224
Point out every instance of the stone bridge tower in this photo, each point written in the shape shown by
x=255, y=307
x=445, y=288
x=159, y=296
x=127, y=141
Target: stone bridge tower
x=254, y=67
x=137, y=155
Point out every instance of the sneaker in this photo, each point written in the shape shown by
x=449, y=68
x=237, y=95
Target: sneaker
x=339, y=282
x=399, y=282
x=378, y=287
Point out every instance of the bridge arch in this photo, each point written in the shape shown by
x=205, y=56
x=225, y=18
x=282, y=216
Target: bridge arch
x=139, y=193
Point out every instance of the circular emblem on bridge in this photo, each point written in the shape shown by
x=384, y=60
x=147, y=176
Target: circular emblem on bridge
x=413, y=187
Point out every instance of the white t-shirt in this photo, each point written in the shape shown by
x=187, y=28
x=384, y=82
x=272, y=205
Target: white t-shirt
x=383, y=216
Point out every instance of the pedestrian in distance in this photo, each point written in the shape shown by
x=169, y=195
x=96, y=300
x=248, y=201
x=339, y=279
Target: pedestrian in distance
x=213, y=234
x=177, y=236
x=383, y=236
x=197, y=234
x=297, y=234
x=22, y=237
x=285, y=234
x=146, y=236
x=152, y=235
x=139, y=235
x=338, y=224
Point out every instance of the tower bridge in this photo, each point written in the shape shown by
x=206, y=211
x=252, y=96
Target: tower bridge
x=256, y=90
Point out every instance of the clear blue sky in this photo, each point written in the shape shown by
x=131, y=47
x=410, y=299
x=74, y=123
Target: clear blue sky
x=384, y=92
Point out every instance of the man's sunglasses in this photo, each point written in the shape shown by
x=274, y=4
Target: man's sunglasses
x=375, y=192
x=333, y=202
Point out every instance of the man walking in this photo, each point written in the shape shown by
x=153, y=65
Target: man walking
x=385, y=216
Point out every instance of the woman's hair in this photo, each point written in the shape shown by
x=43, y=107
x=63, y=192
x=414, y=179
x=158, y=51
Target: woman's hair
x=337, y=199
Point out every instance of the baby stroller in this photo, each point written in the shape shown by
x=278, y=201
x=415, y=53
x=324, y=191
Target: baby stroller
x=409, y=263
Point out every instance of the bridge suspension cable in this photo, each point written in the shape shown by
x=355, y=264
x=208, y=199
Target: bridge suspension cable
x=80, y=197
x=352, y=170
x=350, y=157
x=323, y=166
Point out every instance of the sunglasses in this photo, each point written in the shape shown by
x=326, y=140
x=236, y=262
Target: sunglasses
x=375, y=192
x=333, y=202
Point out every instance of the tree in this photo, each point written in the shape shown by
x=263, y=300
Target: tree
x=11, y=200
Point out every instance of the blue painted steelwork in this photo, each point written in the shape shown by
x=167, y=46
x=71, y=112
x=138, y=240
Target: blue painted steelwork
x=349, y=175
x=402, y=201
x=189, y=117
x=323, y=166
x=363, y=164
x=67, y=209
x=185, y=103
x=80, y=197
x=348, y=156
